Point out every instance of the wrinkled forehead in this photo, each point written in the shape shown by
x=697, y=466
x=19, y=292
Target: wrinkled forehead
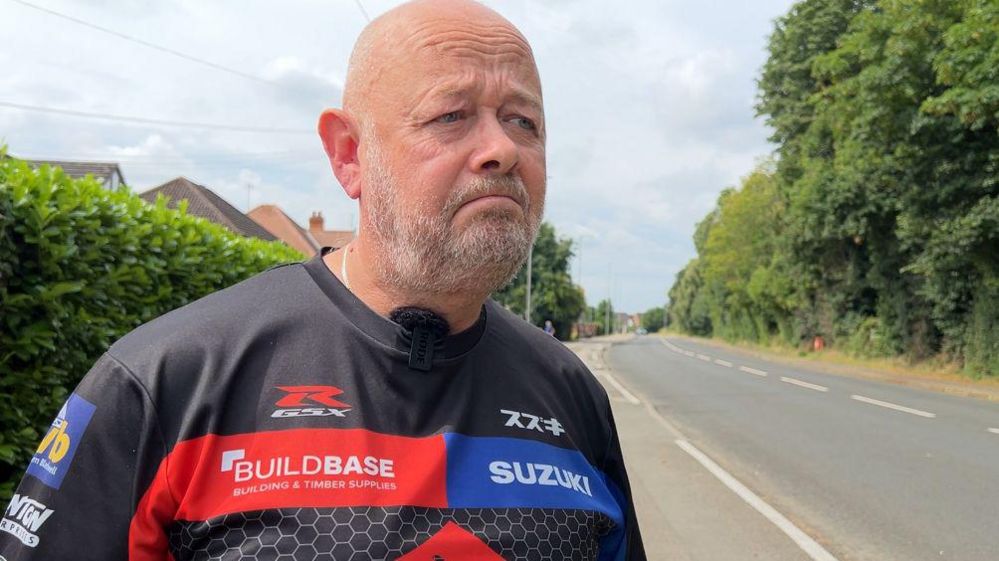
x=454, y=61
x=496, y=41
x=450, y=55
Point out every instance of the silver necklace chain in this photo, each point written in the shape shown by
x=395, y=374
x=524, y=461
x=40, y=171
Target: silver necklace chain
x=343, y=267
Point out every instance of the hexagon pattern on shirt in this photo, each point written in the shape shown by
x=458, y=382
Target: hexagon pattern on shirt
x=386, y=533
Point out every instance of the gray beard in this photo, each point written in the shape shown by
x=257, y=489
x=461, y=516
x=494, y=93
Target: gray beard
x=420, y=252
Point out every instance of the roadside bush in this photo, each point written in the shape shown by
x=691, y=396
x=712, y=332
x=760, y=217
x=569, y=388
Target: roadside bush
x=80, y=266
x=982, y=353
x=868, y=340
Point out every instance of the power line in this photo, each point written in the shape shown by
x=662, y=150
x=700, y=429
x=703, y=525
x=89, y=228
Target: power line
x=158, y=122
x=195, y=160
x=202, y=156
x=363, y=11
x=147, y=44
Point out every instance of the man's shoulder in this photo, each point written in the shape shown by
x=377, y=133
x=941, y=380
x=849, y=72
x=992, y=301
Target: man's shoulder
x=531, y=341
x=214, y=319
x=543, y=366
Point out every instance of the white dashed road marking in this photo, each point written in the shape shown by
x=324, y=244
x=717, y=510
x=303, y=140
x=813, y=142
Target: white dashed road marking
x=704, y=357
x=721, y=362
x=752, y=371
x=992, y=430
x=893, y=406
x=806, y=543
x=808, y=385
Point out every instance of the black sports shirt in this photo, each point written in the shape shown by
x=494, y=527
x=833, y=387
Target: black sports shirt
x=279, y=419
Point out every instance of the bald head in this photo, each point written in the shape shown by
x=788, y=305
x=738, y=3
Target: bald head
x=442, y=141
x=424, y=29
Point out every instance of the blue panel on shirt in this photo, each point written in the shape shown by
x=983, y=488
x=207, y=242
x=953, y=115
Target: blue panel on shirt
x=494, y=472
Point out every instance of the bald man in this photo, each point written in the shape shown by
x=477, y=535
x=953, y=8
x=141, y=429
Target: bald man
x=371, y=403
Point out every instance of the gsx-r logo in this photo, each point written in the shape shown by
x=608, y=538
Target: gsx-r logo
x=302, y=401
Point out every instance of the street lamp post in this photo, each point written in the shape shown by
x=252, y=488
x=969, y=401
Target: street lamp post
x=527, y=306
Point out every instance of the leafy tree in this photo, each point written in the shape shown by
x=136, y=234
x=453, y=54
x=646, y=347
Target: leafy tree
x=603, y=312
x=817, y=247
x=914, y=150
x=553, y=295
x=738, y=260
x=878, y=226
x=689, y=307
x=652, y=319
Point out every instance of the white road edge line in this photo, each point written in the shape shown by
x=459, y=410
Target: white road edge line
x=752, y=371
x=724, y=363
x=704, y=357
x=808, y=385
x=803, y=540
x=688, y=353
x=992, y=430
x=893, y=406
x=628, y=396
x=671, y=346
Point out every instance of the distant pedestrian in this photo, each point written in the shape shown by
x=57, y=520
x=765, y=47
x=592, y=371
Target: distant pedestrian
x=549, y=328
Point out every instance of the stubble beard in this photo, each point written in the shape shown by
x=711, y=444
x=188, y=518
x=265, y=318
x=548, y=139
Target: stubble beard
x=420, y=251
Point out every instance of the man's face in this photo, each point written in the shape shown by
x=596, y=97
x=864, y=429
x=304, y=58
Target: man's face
x=453, y=160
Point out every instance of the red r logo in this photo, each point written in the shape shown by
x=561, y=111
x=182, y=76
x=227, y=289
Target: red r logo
x=323, y=395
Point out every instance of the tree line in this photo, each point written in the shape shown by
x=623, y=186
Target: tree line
x=875, y=225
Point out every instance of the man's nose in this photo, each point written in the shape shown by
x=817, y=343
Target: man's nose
x=496, y=151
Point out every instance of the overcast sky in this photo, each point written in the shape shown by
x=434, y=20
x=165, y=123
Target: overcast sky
x=649, y=108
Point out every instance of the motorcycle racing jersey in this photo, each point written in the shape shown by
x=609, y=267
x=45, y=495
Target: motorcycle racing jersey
x=279, y=419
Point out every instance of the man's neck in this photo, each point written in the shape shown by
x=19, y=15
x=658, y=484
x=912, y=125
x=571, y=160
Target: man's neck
x=461, y=310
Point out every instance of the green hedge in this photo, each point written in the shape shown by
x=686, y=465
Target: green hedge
x=80, y=266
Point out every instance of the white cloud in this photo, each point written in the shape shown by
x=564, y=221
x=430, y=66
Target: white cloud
x=649, y=109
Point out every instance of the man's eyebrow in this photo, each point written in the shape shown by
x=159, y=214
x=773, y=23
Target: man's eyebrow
x=528, y=98
x=519, y=95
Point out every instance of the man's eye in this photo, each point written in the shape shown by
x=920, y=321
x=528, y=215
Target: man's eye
x=524, y=123
x=451, y=117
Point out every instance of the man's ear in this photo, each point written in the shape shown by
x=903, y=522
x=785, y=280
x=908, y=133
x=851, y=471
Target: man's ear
x=339, y=134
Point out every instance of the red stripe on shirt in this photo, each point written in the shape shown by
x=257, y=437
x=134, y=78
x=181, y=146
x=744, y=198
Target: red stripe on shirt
x=214, y=475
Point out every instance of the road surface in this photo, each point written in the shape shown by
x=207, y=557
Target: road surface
x=869, y=470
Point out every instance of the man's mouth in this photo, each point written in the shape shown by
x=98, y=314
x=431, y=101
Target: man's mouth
x=490, y=200
x=494, y=198
x=491, y=194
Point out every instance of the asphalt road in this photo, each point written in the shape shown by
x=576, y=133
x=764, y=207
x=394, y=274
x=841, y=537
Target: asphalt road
x=872, y=471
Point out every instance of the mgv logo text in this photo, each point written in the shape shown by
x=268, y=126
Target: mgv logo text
x=24, y=516
x=301, y=401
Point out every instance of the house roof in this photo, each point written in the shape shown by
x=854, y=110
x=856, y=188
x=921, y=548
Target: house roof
x=201, y=201
x=333, y=238
x=104, y=171
x=275, y=221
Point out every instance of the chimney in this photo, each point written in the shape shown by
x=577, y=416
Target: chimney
x=316, y=222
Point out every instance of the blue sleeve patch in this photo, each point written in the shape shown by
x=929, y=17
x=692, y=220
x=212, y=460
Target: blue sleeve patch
x=494, y=472
x=55, y=454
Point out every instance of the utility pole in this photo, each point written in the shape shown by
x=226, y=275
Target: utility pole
x=527, y=307
x=665, y=309
x=579, y=268
x=608, y=328
x=579, y=261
